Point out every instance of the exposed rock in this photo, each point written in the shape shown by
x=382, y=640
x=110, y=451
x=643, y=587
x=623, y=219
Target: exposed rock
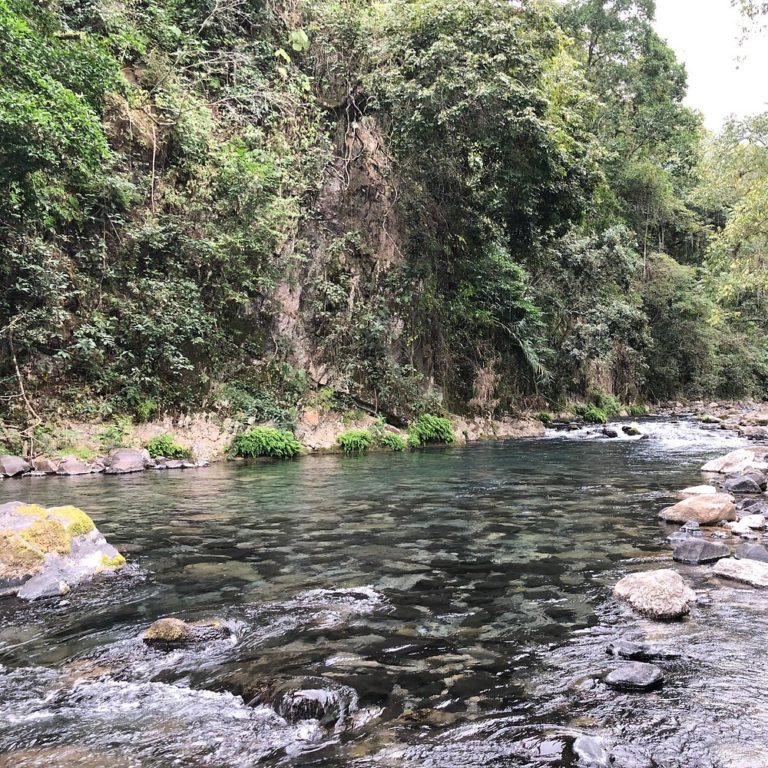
x=46, y=465
x=591, y=752
x=697, y=551
x=748, y=551
x=10, y=466
x=741, y=484
x=637, y=676
x=44, y=552
x=753, y=506
x=740, y=461
x=699, y=490
x=125, y=460
x=754, y=522
x=626, y=649
x=607, y=432
x=631, y=429
x=752, y=572
x=71, y=465
x=754, y=433
x=708, y=418
x=705, y=510
x=169, y=633
x=660, y=594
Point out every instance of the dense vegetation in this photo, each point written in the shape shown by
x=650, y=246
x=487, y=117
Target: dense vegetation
x=453, y=204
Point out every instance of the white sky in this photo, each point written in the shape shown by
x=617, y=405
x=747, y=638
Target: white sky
x=724, y=77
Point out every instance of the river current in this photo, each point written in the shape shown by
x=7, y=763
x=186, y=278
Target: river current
x=454, y=604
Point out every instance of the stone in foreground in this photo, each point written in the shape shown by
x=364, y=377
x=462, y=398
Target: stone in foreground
x=704, y=510
x=751, y=572
x=660, y=594
x=169, y=633
x=636, y=676
x=694, y=551
x=44, y=552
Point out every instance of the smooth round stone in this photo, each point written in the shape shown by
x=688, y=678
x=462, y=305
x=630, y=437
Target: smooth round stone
x=636, y=676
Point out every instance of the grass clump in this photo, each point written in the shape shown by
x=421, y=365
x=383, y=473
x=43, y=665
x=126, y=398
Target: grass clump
x=355, y=440
x=392, y=441
x=430, y=429
x=266, y=441
x=167, y=447
x=591, y=413
x=545, y=417
x=637, y=409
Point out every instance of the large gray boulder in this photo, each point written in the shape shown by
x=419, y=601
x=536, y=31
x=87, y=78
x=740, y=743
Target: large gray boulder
x=704, y=510
x=46, y=465
x=750, y=551
x=660, y=594
x=44, y=552
x=695, y=551
x=125, y=460
x=736, y=462
x=10, y=466
x=752, y=572
x=70, y=465
x=741, y=484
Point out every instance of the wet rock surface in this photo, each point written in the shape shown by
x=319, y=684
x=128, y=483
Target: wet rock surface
x=749, y=551
x=637, y=676
x=695, y=551
x=171, y=633
x=702, y=509
x=745, y=571
x=660, y=594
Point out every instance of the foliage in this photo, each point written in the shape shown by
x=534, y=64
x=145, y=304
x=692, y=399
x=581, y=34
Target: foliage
x=591, y=413
x=545, y=417
x=117, y=435
x=355, y=440
x=266, y=441
x=430, y=429
x=166, y=446
x=392, y=441
x=637, y=409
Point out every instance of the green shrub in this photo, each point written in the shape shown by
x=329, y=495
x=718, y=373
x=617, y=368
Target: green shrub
x=544, y=417
x=266, y=441
x=355, y=440
x=593, y=414
x=117, y=435
x=430, y=429
x=166, y=446
x=610, y=405
x=392, y=440
x=637, y=409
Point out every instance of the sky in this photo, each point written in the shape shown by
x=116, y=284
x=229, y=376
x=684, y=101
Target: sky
x=724, y=77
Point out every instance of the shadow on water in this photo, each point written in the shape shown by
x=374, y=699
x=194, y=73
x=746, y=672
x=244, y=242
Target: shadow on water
x=452, y=605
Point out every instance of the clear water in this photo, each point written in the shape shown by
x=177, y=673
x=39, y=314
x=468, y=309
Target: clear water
x=461, y=598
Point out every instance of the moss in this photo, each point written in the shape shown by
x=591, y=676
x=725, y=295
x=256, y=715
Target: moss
x=32, y=510
x=48, y=535
x=74, y=520
x=113, y=563
x=19, y=559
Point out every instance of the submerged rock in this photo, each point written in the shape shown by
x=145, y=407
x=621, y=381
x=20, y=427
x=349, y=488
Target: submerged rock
x=591, y=752
x=169, y=633
x=742, y=460
x=637, y=676
x=695, y=551
x=705, y=510
x=10, y=466
x=699, y=490
x=660, y=594
x=43, y=552
x=749, y=551
x=752, y=572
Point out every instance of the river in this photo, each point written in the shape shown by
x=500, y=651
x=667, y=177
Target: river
x=454, y=603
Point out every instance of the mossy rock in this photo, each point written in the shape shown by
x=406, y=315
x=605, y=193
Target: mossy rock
x=76, y=522
x=48, y=535
x=19, y=559
x=112, y=563
x=169, y=633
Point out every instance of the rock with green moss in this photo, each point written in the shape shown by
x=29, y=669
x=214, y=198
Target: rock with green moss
x=169, y=633
x=45, y=552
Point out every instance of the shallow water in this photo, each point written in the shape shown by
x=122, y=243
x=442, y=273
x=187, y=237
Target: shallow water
x=458, y=600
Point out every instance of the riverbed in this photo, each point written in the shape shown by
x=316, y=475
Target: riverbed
x=457, y=601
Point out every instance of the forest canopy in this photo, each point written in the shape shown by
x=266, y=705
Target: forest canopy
x=469, y=204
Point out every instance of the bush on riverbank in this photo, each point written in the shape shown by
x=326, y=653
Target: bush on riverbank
x=430, y=429
x=355, y=440
x=266, y=441
x=167, y=447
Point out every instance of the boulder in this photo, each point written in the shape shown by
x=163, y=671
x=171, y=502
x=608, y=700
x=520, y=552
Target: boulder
x=748, y=551
x=740, y=461
x=45, y=465
x=752, y=507
x=660, y=594
x=741, y=484
x=632, y=430
x=10, y=466
x=71, y=465
x=754, y=433
x=754, y=522
x=694, y=551
x=169, y=633
x=591, y=751
x=637, y=676
x=44, y=552
x=125, y=460
x=705, y=510
x=752, y=572
x=699, y=490
x=607, y=432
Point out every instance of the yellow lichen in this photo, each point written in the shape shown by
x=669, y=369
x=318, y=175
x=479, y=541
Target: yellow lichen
x=118, y=561
x=48, y=535
x=74, y=520
x=32, y=510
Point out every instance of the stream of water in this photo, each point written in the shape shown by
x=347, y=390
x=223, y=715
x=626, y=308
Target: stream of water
x=452, y=605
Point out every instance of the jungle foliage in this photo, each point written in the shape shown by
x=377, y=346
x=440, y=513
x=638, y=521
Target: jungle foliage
x=560, y=223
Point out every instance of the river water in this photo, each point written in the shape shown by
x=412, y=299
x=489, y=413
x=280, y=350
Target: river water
x=452, y=605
